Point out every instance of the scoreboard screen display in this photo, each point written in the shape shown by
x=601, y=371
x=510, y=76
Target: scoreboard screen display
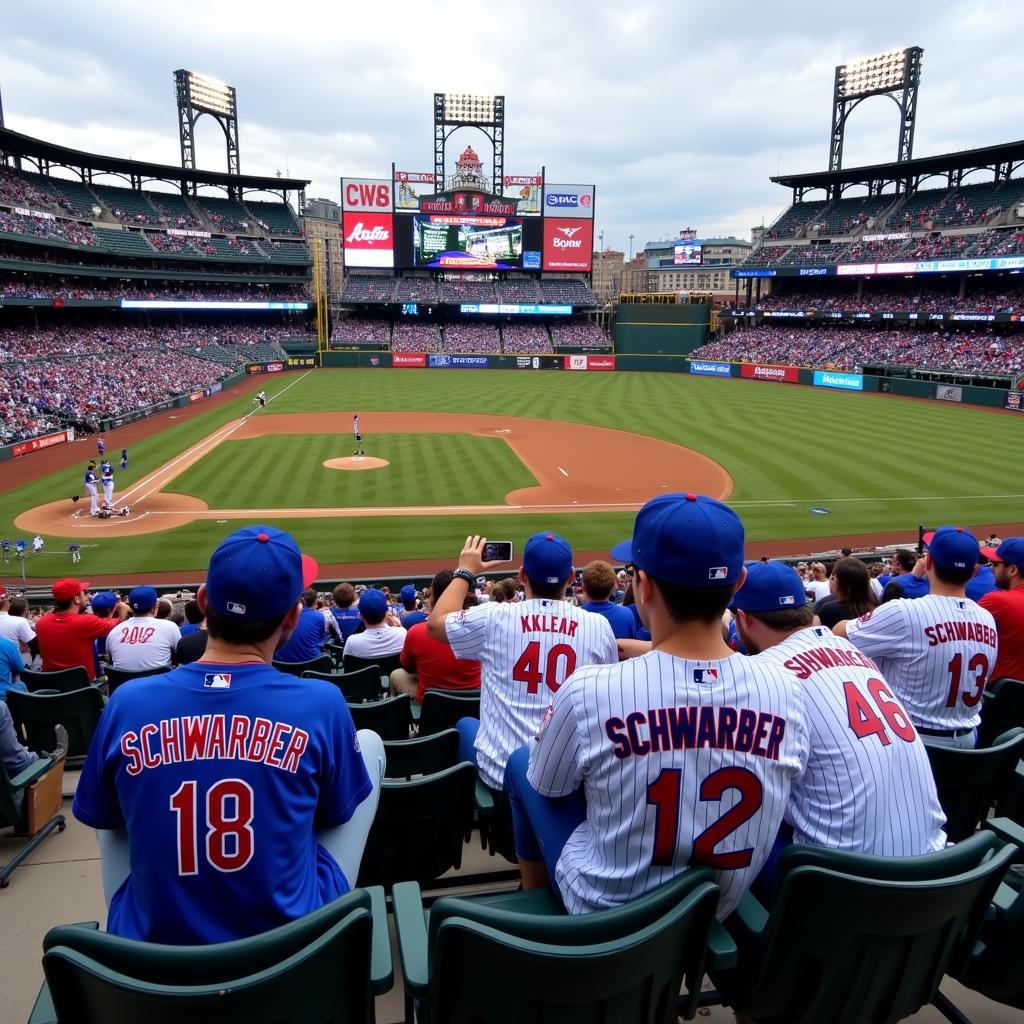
x=688, y=254
x=456, y=242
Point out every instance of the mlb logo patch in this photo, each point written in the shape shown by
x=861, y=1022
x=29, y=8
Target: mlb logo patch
x=705, y=675
x=718, y=572
x=235, y=608
x=217, y=680
x=787, y=599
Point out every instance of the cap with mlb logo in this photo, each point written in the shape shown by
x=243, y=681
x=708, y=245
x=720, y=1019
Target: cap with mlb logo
x=769, y=587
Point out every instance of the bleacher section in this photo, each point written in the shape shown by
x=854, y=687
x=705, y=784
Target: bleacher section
x=368, y=288
x=225, y=214
x=285, y=252
x=568, y=291
x=274, y=218
x=525, y=339
x=845, y=216
x=413, y=337
x=176, y=210
x=794, y=219
x=364, y=333
x=123, y=243
x=517, y=289
x=471, y=338
x=75, y=195
x=579, y=336
x=467, y=291
x=127, y=205
x=418, y=289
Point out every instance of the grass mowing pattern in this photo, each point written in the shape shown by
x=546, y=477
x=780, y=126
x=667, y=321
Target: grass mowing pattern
x=901, y=462
x=290, y=472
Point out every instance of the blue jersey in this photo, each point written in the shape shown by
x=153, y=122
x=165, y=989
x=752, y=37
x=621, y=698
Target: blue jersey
x=108, y=474
x=408, y=619
x=307, y=638
x=619, y=618
x=981, y=584
x=348, y=620
x=642, y=633
x=90, y=476
x=222, y=775
x=101, y=446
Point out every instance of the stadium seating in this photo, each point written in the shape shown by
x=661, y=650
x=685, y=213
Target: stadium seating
x=566, y=291
x=844, y=216
x=127, y=205
x=273, y=218
x=64, y=680
x=285, y=252
x=466, y=291
x=225, y=214
x=124, y=243
x=356, y=687
x=583, y=336
x=441, y=709
x=390, y=718
x=525, y=339
x=1002, y=709
x=423, y=755
x=416, y=337
x=417, y=289
x=368, y=288
x=472, y=338
x=36, y=714
x=790, y=223
x=812, y=254
x=364, y=333
x=517, y=289
x=176, y=211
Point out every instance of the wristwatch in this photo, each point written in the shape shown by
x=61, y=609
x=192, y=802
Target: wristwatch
x=465, y=575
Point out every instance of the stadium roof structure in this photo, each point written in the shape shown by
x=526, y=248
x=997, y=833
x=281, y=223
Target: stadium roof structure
x=47, y=154
x=1002, y=160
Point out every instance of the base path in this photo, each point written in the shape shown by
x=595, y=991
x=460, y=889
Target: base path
x=578, y=468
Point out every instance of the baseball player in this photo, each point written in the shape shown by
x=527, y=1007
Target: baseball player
x=682, y=756
x=936, y=651
x=92, y=489
x=526, y=650
x=868, y=786
x=124, y=458
x=37, y=543
x=5, y=551
x=108, y=484
x=101, y=446
x=261, y=399
x=230, y=797
x=76, y=553
x=358, y=437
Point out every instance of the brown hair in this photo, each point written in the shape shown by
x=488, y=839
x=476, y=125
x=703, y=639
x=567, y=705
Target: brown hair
x=344, y=595
x=598, y=580
x=853, y=587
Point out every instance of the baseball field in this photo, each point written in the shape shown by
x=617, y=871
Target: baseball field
x=453, y=452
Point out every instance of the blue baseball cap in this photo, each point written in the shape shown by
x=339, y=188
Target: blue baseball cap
x=1011, y=551
x=258, y=573
x=373, y=604
x=141, y=599
x=408, y=593
x=769, y=587
x=953, y=547
x=688, y=539
x=107, y=599
x=547, y=558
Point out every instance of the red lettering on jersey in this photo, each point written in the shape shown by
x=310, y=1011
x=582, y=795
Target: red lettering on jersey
x=764, y=720
x=296, y=748
x=239, y=733
x=149, y=759
x=258, y=740
x=170, y=740
x=216, y=741
x=775, y=738
x=797, y=667
x=547, y=624
x=727, y=718
x=275, y=744
x=130, y=749
x=657, y=726
x=195, y=730
x=707, y=731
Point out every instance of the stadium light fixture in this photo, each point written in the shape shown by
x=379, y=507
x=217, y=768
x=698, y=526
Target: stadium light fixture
x=882, y=72
x=211, y=95
x=468, y=108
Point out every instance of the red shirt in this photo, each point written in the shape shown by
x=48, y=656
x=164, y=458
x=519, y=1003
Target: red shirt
x=65, y=639
x=436, y=665
x=1007, y=608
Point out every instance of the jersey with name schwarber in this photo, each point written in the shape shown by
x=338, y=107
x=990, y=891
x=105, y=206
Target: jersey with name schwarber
x=526, y=650
x=935, y=652
x=868, y=787
x=681, y=762
x=222, y=774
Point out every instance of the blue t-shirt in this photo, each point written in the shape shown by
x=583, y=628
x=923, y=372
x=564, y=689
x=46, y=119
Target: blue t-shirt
x=982, y=584
x=11, y=663
x=189, y=627
x=913, y=586
x=619, y=618
x=408, y=619
x=306, y=641
x=641, y=630
x=348, y=620
x=222, y=775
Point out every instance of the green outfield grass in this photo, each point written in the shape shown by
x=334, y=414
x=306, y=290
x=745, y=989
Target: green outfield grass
x=875, y=462
x=289, y=472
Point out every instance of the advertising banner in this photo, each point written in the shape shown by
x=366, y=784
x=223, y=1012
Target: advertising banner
x=408, y=359
x=366, y=195
x=369, y=239
x=702, y=368
x=585, y=362
x=568, y=244
x=538, y=362
x=196, y=396
x=569, y=201
x=1015, y=401
x=447, y=360
x=843, y=381
x=264, y=367
x=410, y=187
x=949, y=393
x=37, y=444
x=525, y=191
x=755, y=371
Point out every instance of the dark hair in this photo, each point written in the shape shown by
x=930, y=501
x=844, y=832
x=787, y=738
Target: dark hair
x=694, y=604
x=308, y=597
x=440, y=583
x=893, y=591
x=784, y=620
x=344, y=595
x=193, y=613
x=63, y=606
x=952, y=577
x=551, y=591
x=18, y=607
x=223, y=627
x=907, y=559
x=853, y=587
x=846, y=552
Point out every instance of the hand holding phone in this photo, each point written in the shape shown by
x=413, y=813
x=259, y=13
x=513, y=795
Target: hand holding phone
x=498, y=551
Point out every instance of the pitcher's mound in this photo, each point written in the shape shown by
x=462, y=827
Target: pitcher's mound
x=351, y=462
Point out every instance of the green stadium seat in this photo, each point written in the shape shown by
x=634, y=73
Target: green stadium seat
x=62, y=681
x=1002, y=709
x=37, y=714
x=423, y=755
x=441, y=709
x=358, y=687
x=296, y=668
x=390, y=718
x=13, y=812
x=117, y=676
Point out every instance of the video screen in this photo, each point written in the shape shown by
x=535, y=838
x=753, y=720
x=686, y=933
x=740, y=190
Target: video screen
x=465, y=242
x=689, y=254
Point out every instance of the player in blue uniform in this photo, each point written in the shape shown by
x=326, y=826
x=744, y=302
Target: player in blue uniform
x=92, y=489
x=124, y=458
x=230, y=797
x=101, y=446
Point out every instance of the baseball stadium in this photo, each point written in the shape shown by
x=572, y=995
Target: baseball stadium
x=428, y=357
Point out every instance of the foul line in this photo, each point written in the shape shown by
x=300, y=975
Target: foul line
x=836, y=501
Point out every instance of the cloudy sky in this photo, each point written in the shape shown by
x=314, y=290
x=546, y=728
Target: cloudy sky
x=679, y=112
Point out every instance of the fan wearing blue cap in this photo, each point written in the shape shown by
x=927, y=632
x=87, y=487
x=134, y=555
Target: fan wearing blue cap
x=867, y=786
x=641, y=761
x=1006, y=604
x=410, y=613
x=143, y=642
x=937, y=651
x=309, y=635
x=526, y=649
x=229, y=797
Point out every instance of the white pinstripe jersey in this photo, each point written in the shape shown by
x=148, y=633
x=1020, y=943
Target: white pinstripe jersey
x=526, y=651
x=935, y=652
x=681, y=762
x=868, y=787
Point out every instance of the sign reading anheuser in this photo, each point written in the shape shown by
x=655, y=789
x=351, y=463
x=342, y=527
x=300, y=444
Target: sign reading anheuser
x=843, y=381
x=369, y=239
x=408, y=359
x=702, y=368
x=782, y=374
x=568, y=244
x=368, y=195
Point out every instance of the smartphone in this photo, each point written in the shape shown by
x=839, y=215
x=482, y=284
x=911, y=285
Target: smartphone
x=498, y=551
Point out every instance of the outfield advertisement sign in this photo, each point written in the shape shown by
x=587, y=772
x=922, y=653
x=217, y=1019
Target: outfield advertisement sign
x=1015, y=401
x=264, y=367
x=949, y=393
x=702, y=368
x=448, y=360
x=780, y=374
x=585, y=362
x=538, y=362
x=37, y=444
x=408, y=359
x=843, y=381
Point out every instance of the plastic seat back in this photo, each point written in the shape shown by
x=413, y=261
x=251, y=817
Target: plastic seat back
x=296, y=668
x=967, y=781
x=420, y=827
x=627, y=964
x=356, y=687
x=423, y=755
x=313, y=969
x=117, y=676
x=63, y=680
x=1001, y=710
x=384, y=665
x=441, y=709
x=36, y=714
x=845, y=948
x=389, y=719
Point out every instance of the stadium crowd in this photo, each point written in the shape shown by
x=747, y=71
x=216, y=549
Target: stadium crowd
x=416, y=337
x=47, y=287
x=472, y=338
x=46, y=227
x=580, y=335
x=525, y=339
x=356, y=331
x=901, y=296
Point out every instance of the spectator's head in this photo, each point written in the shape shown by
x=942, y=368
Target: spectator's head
x=309, y=597
x=439, y=584
x=598, y=580
x=373, y=606
x=344, y=595
x=143, y=601
x=903, y=561
x=952, y=555
x=68, y=595
x=164, y=608
x=1007, y=564
x=252, y=589
x=770, y=605
x=818, y=572
x=851, y=584
x=547, y=566
x=687, y=554
x=193, y=614
x=892, y=591
x=846, y=552
x=409, y=597
x=18, y=607
x=103, y=605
